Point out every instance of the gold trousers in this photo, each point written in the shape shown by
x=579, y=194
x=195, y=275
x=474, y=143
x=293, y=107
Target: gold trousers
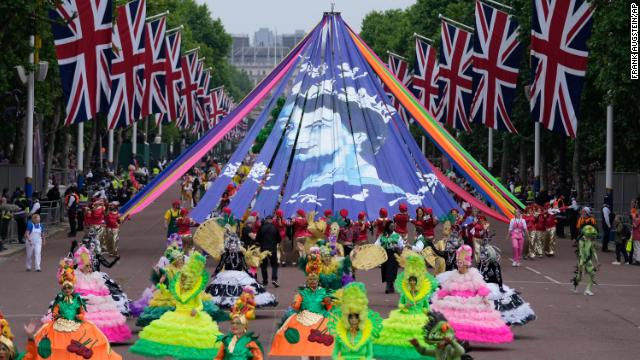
x=550, y=242
x=536, y=245
x=111, y=238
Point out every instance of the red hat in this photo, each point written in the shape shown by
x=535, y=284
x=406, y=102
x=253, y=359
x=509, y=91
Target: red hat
x=383, y=212
x=328, y=212
x=362, y=215
x=428, y=211
x=226, y=211
x=184, y=211
x=175, y=203
x=482, y=217
x=344, y=213
x=254, y=213
x=230, y=187
x=300, y=212
x=402, y=207
x=279, y=213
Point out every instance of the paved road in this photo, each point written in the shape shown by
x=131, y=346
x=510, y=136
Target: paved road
x=569, y=326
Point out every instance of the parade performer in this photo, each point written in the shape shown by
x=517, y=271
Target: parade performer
x=112, y=220
x=393, y=244
x=463, y=301
x=478, y=230
x=94, y=219
x=401, y=220
x=186, y=191
x=353, y=325
x=539, y=231
x=160, y=300
x=549, y=245
x=361, y=229
x=415, y=286
x=300, y=231
x=187, y=332
x=170, y=217
x=69, y=335
x=513, y=309
x=304, y=332
x=530, y=220
x=97, y=261
x=518, y=231
x=346, y=234
x=381, y=222
x=588, y=262
x=240, y=344
x=442, y=338
x=334, y=271
x=100, y=307
x=281, y=224
x=231, y=275
x=138, y=306
x=184, y=224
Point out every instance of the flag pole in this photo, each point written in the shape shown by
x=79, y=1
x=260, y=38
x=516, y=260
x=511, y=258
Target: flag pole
x=134, y=140
x=158, y=138
x=536, y=155
x=28, y=151
x=396, y=55
x=80, y=149
x=490, y=150
x=110, y=149
x=609, y=154
x=157, y=16
x=453, y=22
x=424, y=145
x=497, y=4
x=174, y=29
x=423, y=38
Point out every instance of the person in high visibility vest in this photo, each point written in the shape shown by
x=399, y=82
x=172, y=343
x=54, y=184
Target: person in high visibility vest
x=170, y=217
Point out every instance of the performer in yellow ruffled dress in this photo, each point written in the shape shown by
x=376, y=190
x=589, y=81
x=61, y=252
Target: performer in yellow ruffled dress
x=415, y=286
x=186, y=333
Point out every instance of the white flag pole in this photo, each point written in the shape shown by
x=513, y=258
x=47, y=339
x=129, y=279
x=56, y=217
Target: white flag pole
x=490, y=150
x=134, y=140
x=110, y=149
x=609, y=159
x=80, y=149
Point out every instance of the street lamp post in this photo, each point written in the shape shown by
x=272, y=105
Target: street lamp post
x=28, y=77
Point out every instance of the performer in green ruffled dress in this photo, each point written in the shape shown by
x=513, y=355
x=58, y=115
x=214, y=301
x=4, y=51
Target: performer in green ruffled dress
x=353, y=325
x=240, y=344
x=186, y=333
x=415, y=285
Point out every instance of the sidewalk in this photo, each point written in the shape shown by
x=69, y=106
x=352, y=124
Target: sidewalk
x=14, y=248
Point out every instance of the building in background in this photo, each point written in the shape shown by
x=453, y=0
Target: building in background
x=258, y=57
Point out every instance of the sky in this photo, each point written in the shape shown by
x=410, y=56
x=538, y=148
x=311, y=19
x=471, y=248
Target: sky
x=247, y=16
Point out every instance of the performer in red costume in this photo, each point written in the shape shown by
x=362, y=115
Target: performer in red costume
x=429, y=224
x=401, y=220
x=112, y=220
x=300, y=231
x=185, y=223
x=361, y=229
x=478, y=232
x=281, y=224
x=381, y=222
x=549, y=244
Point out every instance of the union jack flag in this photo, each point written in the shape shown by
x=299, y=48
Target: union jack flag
x=400, y=68
x=190, y=80
x=559, y=33
x=203, y=95
x=82, y=37
x=426, y=71
x=127, y=67
x=154, y=100
x=173, y=80
x=218, y=110
x=496, y=58
x=455, y=77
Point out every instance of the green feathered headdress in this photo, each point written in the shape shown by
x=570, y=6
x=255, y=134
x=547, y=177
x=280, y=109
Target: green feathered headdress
x=353, y=300
x=191, y=279
x=173, y=253
x=338, y=220
x=227, y=219
x=589, y=231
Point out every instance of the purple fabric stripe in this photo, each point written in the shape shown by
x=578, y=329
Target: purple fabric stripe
x=195, y=147
x=267, y=198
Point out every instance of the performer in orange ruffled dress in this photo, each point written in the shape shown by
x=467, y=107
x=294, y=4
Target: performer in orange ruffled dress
x=69, y=336
x=304, y=332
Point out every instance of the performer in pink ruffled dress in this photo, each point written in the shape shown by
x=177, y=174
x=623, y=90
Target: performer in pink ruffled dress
x=463, y=299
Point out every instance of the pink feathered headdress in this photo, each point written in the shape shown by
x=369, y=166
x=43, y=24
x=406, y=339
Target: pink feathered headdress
x=82, y=257
x=464, y=253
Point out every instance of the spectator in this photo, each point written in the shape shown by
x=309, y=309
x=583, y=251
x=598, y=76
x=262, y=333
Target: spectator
x=635, y=260
x=21, y=214
x=35, y=241
x=35, y=204
x=54, y=193
x=268, y=238
x=71, y=203
x=607, y=219
x=6, y=214
x=248, y=236
x=621, y=235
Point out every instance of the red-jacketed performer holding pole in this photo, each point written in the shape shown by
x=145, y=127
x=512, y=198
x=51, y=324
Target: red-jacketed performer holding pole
x=401, y=220
x=112, y=221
